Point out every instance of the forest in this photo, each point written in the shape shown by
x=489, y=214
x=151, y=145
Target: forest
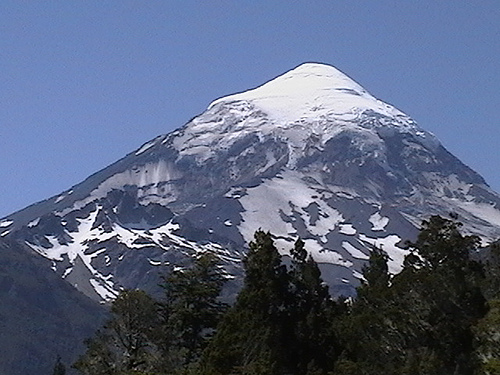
x=439, y=315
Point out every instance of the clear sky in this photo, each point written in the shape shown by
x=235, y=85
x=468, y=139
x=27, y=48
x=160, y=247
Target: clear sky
x=83, y=83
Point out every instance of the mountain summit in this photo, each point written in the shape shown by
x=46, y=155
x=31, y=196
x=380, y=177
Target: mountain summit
x=310, y=90
x=309, y=154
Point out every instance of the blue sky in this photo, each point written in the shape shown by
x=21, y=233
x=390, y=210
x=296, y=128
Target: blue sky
x=82, y=83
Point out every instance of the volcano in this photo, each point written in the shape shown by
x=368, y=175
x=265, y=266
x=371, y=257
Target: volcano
x=309, y=154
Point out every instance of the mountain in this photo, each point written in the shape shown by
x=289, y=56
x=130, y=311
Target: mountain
x=41, y=315
x=310, y=153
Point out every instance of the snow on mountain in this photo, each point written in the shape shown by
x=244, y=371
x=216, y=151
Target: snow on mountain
x=310, y=91
x=310, y=153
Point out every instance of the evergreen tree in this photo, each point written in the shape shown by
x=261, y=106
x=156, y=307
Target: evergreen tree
x=191, y=309
x=421, y=320
x=125, y=345
x=492, y=268
x=280, y=321
x=311, y=345
x=59, y=368
x=487, y=336
x=368, y=332
x=444, y=278
x=250, y=338
x=487, y=331
x=428, y=319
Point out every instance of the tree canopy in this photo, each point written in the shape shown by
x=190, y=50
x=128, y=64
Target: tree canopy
x=431, y=318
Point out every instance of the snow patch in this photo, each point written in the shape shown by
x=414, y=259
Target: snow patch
x=60, y=198
x=283, y=195
x=67, y=272
x=356, y=253
x=5, y=223
x=486, y=212
x=34, y=223
x=154, y=262
x=347, y=229
x=388, y=244
x=145, y=147
x=378, y=221
x=105, y=291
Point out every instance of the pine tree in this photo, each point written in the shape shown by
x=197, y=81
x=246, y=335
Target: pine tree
x=250, y=338
x=487, y=340
x=59, y=368
x=421, y=320
x=367, y=331
x=446, y=283
x=311, y=345
x=492, y=270
x=126, y=344
x=191, y=309
x=280, y=323
x=487, y=331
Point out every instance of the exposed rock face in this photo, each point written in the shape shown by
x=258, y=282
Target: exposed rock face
x=309, y=154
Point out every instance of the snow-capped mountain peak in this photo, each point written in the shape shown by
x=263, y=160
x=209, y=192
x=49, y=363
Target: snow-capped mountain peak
x=310, y=90
x=307, y=106
x=309, y=154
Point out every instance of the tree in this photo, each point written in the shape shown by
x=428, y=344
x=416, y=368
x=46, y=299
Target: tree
x=446, y=281
x=59, y=368
x=420, y=320
x=191, y=309
x=280, y=321
x=487, y=331
x=492, y=270
x=369, y=335
x=126, y=344
x=250, y=338
x=487, y=336
x=311, y=345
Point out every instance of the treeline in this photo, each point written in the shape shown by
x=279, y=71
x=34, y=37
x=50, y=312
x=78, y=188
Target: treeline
x=440, y=315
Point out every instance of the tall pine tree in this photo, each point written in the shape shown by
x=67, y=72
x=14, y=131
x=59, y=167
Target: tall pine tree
x=280, y=321
x=311, y=345
x=126, y=344
x=250, y=338
x=421, y=320
x=190, y=310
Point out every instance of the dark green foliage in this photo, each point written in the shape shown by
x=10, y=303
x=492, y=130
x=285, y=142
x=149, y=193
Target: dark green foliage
x=487, y=331
x=368, y=331
x=421, y=320
x=250, y=338
x=279, y=323
x=59, y=368
x=147, y=337
x=311, y=346
x=492, y=268
x=99, y=359
x=376, y=273
x=126, y=344
x=191, y=309
x=487, y=335
x=431, y=318
x=448, y=282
